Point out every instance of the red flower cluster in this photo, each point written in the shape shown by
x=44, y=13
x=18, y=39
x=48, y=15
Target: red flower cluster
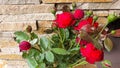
x=67, y=19
x=91, y=53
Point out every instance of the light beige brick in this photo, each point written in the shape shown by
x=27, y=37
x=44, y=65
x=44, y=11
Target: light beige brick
x=26, y=9
x=32, y=1
x=112, y=5
x=10, y=50
x=13, y=64
x=27, y=17
x=11, y=57
x=19, y=2
x=69, y=1
x=8, y=42
x=101, y=13
x=16, y=26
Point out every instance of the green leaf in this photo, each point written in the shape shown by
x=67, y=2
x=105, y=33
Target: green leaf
x=21, y=36
x=33, y=52
x=60, y=51
x=62, y=65
x=64, y=33
x=75, y=49
x=44, y=42
x=108, y=44
x=41, y=58
x=33, y=35
x=106, y=64
x=32, y=62
x=42, y=65
x=49, y=56
x=34, y=41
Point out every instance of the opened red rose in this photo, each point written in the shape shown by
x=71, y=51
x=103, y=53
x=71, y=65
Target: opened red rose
x=91, y=53
x=78, y=14
x=64, y=20
x=81, y=24
x=24, y=46
x=91, y=22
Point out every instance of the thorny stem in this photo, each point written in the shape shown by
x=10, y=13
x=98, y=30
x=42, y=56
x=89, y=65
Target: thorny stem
x=82, y=59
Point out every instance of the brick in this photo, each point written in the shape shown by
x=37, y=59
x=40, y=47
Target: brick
x=69, y=1
x=19, y=2
x=10, y=50
x=25, y=9
x=101, y=13
x=13, y=64
x=8, y=42
x=79, y=5
x=27, y=17
x=33, y=1
x=16, y=26
x=11, y=57
x=2, y=2
x=44, y=24
x=112, y=5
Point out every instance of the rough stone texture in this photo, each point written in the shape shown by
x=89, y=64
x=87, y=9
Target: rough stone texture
x=112, y=5
x=13, y=64
x=10, y=50
x=44, y=24
x=25, y=9
x=27, y=17
x=8, y=42
x=69, y=1
x=32, y=1
x=101, y=13
x=2, y=2
x=16, y=26
x=11, y=57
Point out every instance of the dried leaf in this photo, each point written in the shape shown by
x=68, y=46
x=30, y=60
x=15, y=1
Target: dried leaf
x=108, y=44
x=85, y=36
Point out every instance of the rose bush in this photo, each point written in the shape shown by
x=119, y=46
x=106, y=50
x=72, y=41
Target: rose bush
x=76, y=40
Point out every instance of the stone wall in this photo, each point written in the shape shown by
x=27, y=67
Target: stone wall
x=17, y=14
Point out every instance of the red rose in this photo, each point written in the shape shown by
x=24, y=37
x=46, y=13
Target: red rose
x=78, y=14
x=64, y=20
x=81, y=24
x=91, y=20
x=91, y=53
x=24, y=46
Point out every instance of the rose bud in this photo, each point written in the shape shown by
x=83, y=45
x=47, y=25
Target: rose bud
x=89, y=13
x=78, y=14
x=29, y=29
x=24, y=46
